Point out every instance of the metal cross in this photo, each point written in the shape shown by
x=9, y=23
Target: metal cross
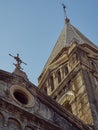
x=64, y=8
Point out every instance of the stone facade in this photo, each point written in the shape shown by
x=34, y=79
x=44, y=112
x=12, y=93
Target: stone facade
x=24, y=107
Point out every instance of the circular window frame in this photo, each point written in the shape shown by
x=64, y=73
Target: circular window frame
x=29, y=97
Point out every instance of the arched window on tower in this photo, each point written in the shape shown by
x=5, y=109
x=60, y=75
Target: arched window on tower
x=65, y=70
x=59, y=76
x=51, y=80
x=67, y=106
x=68, y=99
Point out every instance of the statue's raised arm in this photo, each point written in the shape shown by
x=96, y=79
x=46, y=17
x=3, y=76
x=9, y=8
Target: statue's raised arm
x=18, y=60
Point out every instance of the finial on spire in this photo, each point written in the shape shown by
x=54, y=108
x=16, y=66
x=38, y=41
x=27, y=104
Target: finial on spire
x=64, y=8
x=18, y=60
x=65, y=14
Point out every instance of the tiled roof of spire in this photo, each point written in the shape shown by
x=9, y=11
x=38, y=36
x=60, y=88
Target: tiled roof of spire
x=68, y=35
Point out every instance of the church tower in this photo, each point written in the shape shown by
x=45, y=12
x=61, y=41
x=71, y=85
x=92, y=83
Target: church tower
x=70, y=76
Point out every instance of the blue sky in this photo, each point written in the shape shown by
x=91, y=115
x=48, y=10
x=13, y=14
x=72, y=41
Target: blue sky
x=31, y=28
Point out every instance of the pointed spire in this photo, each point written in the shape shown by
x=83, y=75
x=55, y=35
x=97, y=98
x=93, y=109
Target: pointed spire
x=68, y=35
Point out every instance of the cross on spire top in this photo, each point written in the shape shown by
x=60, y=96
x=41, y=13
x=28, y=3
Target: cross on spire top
x=65, y=14
x=64, y=8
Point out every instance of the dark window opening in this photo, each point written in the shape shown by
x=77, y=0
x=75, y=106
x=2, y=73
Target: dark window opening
x=59, y=76
x=52, y=83
x=67, y=106
x=21, y=97
x=66, y=70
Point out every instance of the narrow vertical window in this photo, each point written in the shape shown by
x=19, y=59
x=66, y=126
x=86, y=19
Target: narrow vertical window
x=52, y=83
x=66, y=70
x=59, y=76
